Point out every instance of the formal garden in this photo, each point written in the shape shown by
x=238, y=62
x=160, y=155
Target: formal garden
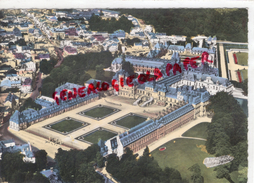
x=96, y=135
x=66, y=125
x=98, y=112
x=129, y=120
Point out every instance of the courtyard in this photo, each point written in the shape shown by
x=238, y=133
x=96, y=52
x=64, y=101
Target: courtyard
x=124, y=107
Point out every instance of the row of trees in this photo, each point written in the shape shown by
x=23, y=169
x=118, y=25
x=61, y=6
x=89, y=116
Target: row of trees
x=96, y=23
x=227, y=135
x=73, y=70
x=13, y=169
x=228, y=24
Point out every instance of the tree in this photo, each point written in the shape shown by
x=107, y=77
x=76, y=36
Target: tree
x=10, y=163
x=46, y=66
x=38, y=177
x=1, y=14
x=87, y=174
x=13, y=104
x=29, y=103
x=146, y=152
x=100, y=72
x=222, y=171
x=127, y=66
x=120, y=48
x=76, y=165
x=171, y=175
x=196, y=174
x=227, y=133
x=41, y=159
x=18, y=177
x=99, y=160
x=242, y=174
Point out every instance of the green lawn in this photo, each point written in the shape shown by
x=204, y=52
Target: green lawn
x=66, y=125
x=92, y=73
x=244, y=74
x=242, y=58
x=109, y=74
x=99, y=112
x=130, y=121
x=197, y=131
x=100, y=134
x=183, y=154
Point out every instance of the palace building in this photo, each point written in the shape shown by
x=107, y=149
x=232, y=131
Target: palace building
x=22, y=120
x=185, y=96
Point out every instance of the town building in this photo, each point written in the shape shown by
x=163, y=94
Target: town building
x=25, y=149
x=21, y=120
x=185, y=96
x=9, y=100
x=110, y=14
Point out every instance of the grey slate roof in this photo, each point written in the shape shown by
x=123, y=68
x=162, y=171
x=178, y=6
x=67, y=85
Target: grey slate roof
x=10, y=97
x=149, y=126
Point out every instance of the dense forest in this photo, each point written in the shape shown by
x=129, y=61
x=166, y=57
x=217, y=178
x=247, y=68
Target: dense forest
x=77, y=165
x=73, y=70
x=96, y=23
x=14, y=170
x=226, y=24
x=227, y=135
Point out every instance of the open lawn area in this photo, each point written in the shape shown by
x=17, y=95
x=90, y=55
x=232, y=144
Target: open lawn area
x=92, y=73
x=99, y=112
x=244, y=74
x=66, y=125
x=100, y=134
x=130, y=121
x=242, y=58
x=183, y=154
x=198, y=131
